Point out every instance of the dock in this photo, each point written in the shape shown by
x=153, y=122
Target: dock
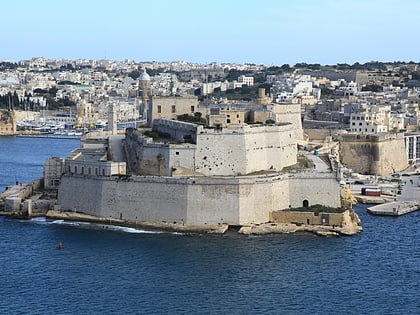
x=395, y=208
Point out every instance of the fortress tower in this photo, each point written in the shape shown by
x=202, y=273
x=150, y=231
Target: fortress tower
x=144, y=93
x=112, y=119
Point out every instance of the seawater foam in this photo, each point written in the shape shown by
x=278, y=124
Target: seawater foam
x=126, y=229
x=39, y=220
x=97, y=226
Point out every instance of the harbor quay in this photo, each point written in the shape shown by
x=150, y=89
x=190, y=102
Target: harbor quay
x=394, y=208
x=407, y=199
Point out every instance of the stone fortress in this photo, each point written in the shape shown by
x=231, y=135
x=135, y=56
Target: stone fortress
x=230, y=171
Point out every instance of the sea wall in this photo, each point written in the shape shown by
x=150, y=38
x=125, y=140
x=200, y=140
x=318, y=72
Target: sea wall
x=309, y=218
x=15, y=194
x=194, y=200
x=308, y=189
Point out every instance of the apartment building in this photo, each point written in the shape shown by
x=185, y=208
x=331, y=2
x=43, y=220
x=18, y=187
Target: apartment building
x=375, y=119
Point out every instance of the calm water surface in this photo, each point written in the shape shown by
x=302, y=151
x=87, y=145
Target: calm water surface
x=123, y=271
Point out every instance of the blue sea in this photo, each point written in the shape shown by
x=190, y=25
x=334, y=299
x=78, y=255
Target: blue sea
x=112, y=270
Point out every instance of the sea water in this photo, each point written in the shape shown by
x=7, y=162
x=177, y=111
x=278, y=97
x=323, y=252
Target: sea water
x=112, y=270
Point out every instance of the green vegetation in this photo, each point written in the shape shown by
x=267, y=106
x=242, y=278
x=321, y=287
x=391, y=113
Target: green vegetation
x=5, y=65
x=302, y=163
x=9, y=100
x=152, y=72
x=233, y=74
x=157, y=135
x=326, y=92
x=196, y=119
x=68, y=83
x=13, y=101
x=244, y=93
x=262, y=172
x=317, y=209
x=373, y=88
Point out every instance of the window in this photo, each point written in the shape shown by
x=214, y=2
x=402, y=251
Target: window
x=177, y=153
x=228, y=121
x=159, y=109
x=192, y=109
x=173, y=109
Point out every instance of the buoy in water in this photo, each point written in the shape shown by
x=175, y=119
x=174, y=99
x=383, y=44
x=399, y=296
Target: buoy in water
x=60, y=245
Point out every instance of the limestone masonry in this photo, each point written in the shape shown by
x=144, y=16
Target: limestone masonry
x=191, y=174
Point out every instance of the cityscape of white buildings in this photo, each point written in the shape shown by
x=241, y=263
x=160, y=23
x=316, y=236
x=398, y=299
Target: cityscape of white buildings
x=94, y=85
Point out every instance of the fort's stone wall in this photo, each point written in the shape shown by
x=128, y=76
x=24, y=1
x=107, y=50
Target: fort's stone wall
x=289, y=113
x=305, y=191
x=239, y=149
x=309, y=218
x=378, y=154
x=194, y=200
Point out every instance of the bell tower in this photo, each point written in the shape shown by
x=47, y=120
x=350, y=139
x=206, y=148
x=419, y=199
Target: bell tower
x=144, y=93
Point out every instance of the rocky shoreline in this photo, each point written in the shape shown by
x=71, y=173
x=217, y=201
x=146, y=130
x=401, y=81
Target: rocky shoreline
x=249, y=229
x=287, y=228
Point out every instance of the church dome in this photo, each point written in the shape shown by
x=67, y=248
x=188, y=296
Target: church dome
x=144, y=76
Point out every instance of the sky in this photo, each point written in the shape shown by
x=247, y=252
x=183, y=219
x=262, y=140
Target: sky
x=271, y=32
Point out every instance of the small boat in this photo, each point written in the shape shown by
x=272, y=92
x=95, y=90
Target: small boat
x=60, y=245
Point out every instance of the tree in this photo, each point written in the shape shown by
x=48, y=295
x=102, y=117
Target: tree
x=134, y=74
x=373, y=88
x=326, y=92
x=301, y=65
x=314, y=66
x=415, y=75
x=53, y=91
x=286, y=68
x=233, y=74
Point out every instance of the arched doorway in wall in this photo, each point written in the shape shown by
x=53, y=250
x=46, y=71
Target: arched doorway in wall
x=305, y=203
